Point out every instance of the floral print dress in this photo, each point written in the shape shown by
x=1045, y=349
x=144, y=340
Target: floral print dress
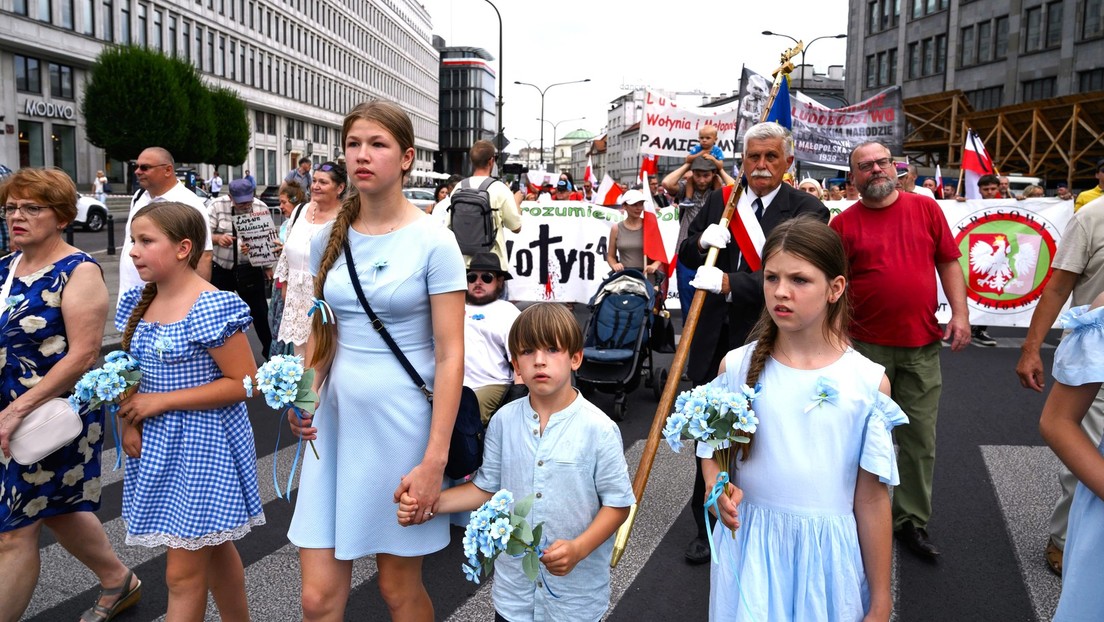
x=32, y=341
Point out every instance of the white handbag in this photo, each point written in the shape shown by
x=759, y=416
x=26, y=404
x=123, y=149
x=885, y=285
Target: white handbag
x=45, y=430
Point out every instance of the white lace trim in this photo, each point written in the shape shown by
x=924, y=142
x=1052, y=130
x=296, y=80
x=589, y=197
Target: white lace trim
x=194, y=544
x=295, y=325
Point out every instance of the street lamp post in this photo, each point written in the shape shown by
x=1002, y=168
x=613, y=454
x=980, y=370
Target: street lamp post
x=803, y=49
x=500, y=140
x=542, y=92
x=554, y=129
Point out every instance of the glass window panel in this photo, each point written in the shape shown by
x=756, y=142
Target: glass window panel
x=1054, y=24
x=64, y=140
x=30, y=144
x=985, y=42
x=88, y=19
x=1034, y=29
x=67, y=14
x=1092, y=24
x=1000, y=44
x=967, y=48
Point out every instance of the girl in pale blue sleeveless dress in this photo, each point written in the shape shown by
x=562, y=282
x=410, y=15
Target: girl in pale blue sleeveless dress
x=1079, y=371
x=810, y=503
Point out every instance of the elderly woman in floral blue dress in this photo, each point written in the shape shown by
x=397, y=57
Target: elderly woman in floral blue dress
x=51, y=328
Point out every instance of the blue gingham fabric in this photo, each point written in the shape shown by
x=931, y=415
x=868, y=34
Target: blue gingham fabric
x=195, y=483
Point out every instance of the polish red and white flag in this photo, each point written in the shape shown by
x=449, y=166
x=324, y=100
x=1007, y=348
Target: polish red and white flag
x=975, y=163
x=655, y=247
x=589, y=175
x=608, y=192
x=938, y=182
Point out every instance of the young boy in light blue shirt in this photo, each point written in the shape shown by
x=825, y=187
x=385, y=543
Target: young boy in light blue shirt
x=566, y=452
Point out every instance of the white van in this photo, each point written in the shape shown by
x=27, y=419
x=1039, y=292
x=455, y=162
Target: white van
x=1017, y=183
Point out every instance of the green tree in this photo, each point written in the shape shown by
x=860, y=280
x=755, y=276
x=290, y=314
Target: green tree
x=198, y=120
x=231, y=123
x=132, y=101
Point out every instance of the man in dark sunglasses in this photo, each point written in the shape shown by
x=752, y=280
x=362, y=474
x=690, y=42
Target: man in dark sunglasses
x=487, y=322
x=155, y=171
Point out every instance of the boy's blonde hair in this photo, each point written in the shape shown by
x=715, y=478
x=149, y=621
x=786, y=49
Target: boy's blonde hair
x=545, y=325
x=708, y=128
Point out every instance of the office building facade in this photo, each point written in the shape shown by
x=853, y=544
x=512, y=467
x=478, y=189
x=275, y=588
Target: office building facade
x=467, y=104
x=299, y=66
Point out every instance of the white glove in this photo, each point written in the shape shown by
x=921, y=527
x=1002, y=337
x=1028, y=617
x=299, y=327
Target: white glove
x=708, y=278
x=714, y=236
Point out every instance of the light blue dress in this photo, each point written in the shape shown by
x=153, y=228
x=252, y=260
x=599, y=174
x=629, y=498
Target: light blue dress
x=796, y=554
x=373, y=422
x=195, y=483
x=1080, y=360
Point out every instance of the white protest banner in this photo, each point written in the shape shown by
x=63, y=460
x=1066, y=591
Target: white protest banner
x=257, y=233
x=670, y=130
x=1007, y=246
x=560, y=252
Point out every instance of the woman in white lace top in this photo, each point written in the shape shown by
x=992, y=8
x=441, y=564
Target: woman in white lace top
x=293, y=270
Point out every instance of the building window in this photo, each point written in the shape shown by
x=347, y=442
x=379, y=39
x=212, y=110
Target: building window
x=882, y=15
x=143, y=25
x=985, y=99
x=1038, y=89
x=985, y=42
x=19, y=7
x=124, y=22
x=30, y=144
x=88, y=17
x=61, y=81
x=920, y=8
x=108, y=21
x=967, y=49
x=1054, y=25
x=1092, y=80
x=64, y=138
x=1000, y=43
x=158, y=19
x=67, y=14
x=28, y=78
x=272, y=178
x=1092, y=19
x=1033, y=30
x=187, y=39
x=262, y=179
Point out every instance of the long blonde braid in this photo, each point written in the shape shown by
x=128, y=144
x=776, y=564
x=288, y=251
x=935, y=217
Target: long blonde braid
x=325, y=343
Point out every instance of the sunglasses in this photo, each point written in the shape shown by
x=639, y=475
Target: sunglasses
x=329, y=167
x=486, y=277
x=146, y=167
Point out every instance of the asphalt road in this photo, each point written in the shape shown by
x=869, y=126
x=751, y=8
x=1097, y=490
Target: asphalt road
x=995, y=482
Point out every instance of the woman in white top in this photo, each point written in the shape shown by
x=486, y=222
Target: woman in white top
x=293, y=270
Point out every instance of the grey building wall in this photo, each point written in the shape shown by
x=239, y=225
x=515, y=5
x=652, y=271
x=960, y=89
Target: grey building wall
x=298, y=64
x=1068, y=52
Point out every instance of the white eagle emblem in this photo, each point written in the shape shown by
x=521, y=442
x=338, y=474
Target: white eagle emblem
x=998, y=266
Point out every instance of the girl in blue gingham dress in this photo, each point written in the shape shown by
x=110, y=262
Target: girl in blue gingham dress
x=191, y=469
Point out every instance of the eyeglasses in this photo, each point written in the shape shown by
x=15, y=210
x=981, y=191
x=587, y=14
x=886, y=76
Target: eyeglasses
x=882, y=163
x=146, y=167
x=486, y=277
x=328, y=167
x=29, y=211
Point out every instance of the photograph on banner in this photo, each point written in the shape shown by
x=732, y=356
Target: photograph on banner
x=257, y=233
x=670, y=129
x=1007, y=246
x=560, y=253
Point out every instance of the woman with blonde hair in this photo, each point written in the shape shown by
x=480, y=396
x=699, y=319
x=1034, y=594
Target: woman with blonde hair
x=377, y=434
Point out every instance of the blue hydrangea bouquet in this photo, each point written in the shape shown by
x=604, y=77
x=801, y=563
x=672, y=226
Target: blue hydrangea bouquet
x=499, y=525
x=720, y=418
x=106, y=386
x=284, y=383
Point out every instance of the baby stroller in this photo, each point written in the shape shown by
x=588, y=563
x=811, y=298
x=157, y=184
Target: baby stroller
x=615, y=344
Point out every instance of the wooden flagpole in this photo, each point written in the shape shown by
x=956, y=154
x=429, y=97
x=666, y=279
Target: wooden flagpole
x=690, y=325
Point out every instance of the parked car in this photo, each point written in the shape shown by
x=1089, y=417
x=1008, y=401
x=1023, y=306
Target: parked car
x=91, y=214
x=271, y=196
x=201, y=193
x=420, y=197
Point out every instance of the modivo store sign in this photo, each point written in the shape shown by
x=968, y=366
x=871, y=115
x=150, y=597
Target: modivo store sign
x=39, y=108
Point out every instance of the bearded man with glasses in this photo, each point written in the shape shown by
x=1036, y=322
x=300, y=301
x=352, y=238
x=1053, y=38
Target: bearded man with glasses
x=157, y=177
x=895, y=243
x=487, y=322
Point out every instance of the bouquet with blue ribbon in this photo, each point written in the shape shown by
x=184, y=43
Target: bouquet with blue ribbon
x=105, y=387
x=719, y=418
x=499, y=525
x=284, y=383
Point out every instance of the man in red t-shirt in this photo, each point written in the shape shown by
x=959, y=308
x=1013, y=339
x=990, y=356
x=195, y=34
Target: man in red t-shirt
x=896, y=243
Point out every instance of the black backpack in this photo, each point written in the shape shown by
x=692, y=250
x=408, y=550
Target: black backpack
x=472, y=217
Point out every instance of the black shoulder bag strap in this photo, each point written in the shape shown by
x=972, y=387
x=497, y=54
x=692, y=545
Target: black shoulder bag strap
x=378, y=325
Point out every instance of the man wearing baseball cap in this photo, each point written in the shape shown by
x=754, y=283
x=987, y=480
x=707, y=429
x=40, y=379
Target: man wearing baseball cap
x=231, y=269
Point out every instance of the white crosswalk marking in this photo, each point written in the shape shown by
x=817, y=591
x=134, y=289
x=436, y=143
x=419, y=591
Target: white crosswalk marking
x=67, y=578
